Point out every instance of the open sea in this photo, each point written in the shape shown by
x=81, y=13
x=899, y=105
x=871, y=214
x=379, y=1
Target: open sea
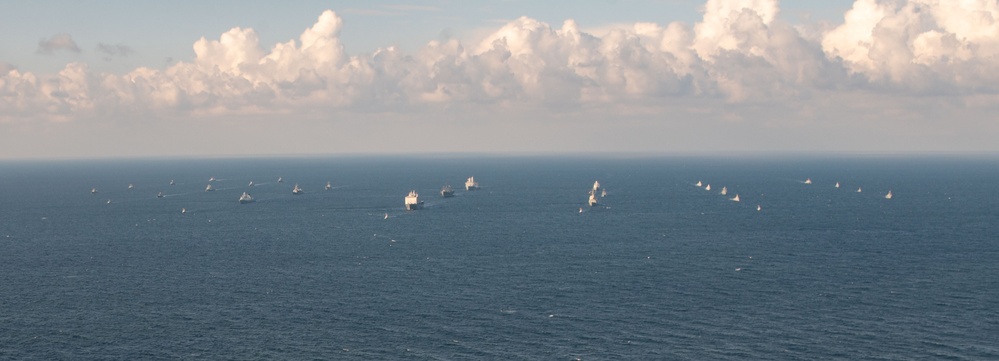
x=661, y=269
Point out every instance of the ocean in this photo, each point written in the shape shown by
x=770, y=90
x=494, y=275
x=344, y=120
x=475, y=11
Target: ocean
x=521, y=269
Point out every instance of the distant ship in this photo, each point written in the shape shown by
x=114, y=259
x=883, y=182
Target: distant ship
x=735, y=199
x=297, y=190
x=447, y=191
x=758, y=208
x=159, y=195
x=280, y=180
x=724, y=191
x=859, y=190
x=596, y=186
x=699, y=184
x=172, y=182
x=209, y=188
x=593, y=199
x=837, y=184
x=109, y=201
x=808, y=181
x=707, y=188
x=245, y=198
x=130, y=186
x=250, y=185
x=329, y=186
x=93, y=190
x=888, y=196
x=413, y=201
x=471, y=184
x=183, y=210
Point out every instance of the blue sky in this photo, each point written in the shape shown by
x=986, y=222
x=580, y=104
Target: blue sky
x=186, y=78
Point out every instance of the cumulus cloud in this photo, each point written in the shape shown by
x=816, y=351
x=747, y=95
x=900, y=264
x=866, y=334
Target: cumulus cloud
x=61, y=41
x=927, y=45
x=739, y=53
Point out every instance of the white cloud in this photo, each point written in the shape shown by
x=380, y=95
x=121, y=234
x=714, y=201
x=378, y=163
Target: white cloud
x=739, y=53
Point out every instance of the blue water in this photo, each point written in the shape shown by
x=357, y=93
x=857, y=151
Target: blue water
x=662, y=270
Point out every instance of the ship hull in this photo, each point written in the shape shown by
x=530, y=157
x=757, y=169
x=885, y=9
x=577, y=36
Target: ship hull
x=415, y=206
x=447, y=194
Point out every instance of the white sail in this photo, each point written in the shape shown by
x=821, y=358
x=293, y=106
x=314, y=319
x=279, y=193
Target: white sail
x=707, y=187
x=699, y=184
x=837, y=184
x=296, y=190
x=808, y=181
x=209, y=188
x=888, y=196
x=736, y=198
x=859, y=190
x=724, y=191
x=758, y=208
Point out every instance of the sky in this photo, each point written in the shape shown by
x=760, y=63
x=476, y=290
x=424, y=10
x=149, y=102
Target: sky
x=99, y=79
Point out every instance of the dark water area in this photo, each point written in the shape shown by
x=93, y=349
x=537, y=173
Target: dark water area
x=661, y=269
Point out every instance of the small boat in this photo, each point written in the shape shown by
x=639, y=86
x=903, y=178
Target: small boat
x=758, y=208
x=245, y=198
x=699, y=184
x=93, y=190
x=109, y=201
x=837, y=184
x=209, y=188
x=447, y=191
x=183, y=210
x=471, y=184
x=808, y=181
x=172, y=182
x=603, y=193
x=735, y=199
x=130, y=186
x=297, y=190
x=386, y=216
x=413, y=201
x=707, y=187
x=280, y=180
x=859, y=190
x=159, y=195
x=329, y=186
x=593, y=199
x=212, y=179
x=596, y=186
x=724, y=191
x=888, y=196
x=250, y=185
x=580, y=210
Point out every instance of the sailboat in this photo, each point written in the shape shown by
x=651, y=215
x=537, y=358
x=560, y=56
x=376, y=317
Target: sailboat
x=603, y=193
x=859, y=190
x=183, y=210
x=329, y=186
x=250, y=185
x=837, y=184
x=699, y=184
x=172, y=182
x=735, y=199
x=212, y=179
x=93, y=190
x=245, y=198
x=130, y=186
x=758, y=208
x=109, y=201
x=280, y=180
x=297, y=190
x=707, y=188
x=471, y=184
x=386, y=216
x=724, y=191
x=808, y=181
x=209, y=188
x=888, y=196
x=159, y=195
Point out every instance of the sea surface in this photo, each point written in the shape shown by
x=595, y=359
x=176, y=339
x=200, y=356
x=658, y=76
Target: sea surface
x=521, y=269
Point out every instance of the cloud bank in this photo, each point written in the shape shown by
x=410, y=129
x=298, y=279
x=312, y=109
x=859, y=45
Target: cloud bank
x=61, y=41
x=739, y=54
